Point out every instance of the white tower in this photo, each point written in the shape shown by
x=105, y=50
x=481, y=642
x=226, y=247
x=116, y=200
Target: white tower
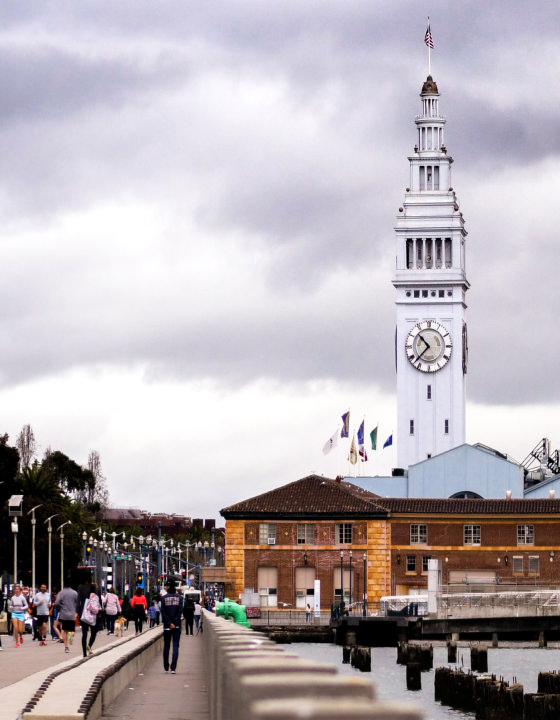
x=430, y=283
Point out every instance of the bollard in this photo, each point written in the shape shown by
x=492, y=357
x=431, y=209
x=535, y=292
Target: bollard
x=413, y=676
x=451, y=652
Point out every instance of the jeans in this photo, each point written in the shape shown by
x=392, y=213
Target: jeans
x=169, y=635
x=110, y=620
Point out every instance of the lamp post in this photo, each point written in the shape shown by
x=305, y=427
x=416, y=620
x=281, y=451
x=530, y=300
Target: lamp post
x=15, y=529
x=49, y=530
x=68, y=522
x=84, y=540
x=96, y=568
x=33, y=523
x=364, y=613
x=341, y=583
x=350, y=580
x=114, y=562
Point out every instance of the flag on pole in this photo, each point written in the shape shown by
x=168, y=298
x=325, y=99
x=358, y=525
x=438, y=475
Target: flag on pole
x=361, y=434
x=345, y=425
x=353, y=456
x=389, y=441
x=373, y=437
x=331, y=442
x=362, y=453
x=428, y=37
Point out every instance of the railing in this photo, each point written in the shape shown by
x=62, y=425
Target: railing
x=270, y=616
x=515, y=603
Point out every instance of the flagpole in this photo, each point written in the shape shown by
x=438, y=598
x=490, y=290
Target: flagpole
x=429, y=53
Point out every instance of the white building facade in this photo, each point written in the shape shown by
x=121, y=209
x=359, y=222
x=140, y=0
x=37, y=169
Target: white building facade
x=430, y=281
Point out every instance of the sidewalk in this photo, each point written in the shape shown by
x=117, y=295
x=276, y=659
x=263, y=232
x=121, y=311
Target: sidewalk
x=159, y=694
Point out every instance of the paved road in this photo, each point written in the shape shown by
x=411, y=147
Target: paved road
x=157, y=694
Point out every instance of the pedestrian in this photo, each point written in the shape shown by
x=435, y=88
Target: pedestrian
x=89, y=619
x=308, y=613
x=152, y=613
x=139, y=606
x=171, y=613
x=18, y=608
x=188, y=614
x=42, y=603
x=112, y=609
x=157, y=605
x=67, y=602
x=197, y=613
x=126, y=610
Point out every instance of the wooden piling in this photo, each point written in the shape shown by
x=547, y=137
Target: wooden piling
x=346, y=654
x=451, y=652
x=413, y=676
x=360, y=658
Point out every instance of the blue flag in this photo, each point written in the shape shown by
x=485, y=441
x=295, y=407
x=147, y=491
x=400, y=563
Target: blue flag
x=389, y=441
x=345, y=425
x=361, y=434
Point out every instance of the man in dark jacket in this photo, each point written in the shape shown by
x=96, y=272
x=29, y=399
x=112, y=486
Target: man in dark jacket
x=188, y=613
x=171, y=614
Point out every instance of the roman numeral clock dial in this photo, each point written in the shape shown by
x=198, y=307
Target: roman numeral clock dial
x=428, y=346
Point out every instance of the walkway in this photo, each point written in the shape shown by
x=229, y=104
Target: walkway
x=157, y=694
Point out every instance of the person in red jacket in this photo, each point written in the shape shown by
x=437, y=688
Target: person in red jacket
x=139, y=606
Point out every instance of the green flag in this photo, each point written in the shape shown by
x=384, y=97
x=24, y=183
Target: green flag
x=373, y=436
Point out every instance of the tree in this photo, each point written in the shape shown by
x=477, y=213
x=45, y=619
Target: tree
x=26, y=445
x=100, y=492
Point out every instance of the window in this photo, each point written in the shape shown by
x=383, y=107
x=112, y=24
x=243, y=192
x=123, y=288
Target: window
x=343, y=533
x=518, y=565
x=471, y=534
x=429, y=392
x=306, y=534
x=417, y=293
x=425, y=559
x=346, y=583
x=411, y=563
x=418, y=534
x=534, y=565
x=446, y=426
x=267, y=534
x=305, y=580
x=268, y=586
x=525, y=534
x=412, y=427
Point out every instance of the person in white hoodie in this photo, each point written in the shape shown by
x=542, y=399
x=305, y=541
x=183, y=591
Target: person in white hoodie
x=112, y=608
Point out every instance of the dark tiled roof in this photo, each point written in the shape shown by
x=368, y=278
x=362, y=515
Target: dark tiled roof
x=471, y=506
x=312, y=495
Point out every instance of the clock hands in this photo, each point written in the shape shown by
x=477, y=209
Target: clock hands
x=427, y=344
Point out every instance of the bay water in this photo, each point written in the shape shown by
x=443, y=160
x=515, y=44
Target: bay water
x=513, y=662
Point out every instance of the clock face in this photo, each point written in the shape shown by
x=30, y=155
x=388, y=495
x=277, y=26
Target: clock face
x=428, y=346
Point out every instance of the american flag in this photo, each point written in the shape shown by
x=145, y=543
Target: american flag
x=428, y=38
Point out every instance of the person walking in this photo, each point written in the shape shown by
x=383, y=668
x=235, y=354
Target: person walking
x=139, y=606
x=89, y=619
x=67, y=602
x=197, y=614
x=18, y=608
x=171, y=613
x=188, y=614
x=112, y=609
x=42, y=603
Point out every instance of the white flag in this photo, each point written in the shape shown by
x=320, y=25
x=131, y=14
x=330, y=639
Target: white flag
x=331, y=442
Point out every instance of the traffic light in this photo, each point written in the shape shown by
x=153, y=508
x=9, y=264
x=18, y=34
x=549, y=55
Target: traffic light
x=183, y=573
x=140, y=579
x=88, y=551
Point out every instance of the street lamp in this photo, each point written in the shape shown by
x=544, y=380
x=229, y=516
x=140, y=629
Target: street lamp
x=33, y=522
x=68, y=522
x=364, y=613
x=350, y=579
x=84, y=539
x=341, y=583
x=15, y=529
x=49, y=530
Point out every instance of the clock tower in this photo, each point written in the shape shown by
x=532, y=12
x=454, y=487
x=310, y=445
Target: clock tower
x=431, y=284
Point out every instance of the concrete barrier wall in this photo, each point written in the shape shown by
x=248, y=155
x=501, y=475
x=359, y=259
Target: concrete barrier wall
x=252, y=678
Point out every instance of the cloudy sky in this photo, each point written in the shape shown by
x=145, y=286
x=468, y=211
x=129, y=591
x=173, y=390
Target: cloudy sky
x=197, y=204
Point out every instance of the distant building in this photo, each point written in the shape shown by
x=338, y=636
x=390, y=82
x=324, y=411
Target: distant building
x=171, y=523
x=280, y=543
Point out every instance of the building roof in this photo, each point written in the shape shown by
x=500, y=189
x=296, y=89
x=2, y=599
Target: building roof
x=470, y=506
x=313, y=495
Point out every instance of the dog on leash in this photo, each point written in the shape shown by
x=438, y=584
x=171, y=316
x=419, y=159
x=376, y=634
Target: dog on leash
x=119, y=627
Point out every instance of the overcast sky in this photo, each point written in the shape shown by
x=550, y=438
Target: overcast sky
x=197, y=204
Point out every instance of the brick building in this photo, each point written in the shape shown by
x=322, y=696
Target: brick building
x=279, y=543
